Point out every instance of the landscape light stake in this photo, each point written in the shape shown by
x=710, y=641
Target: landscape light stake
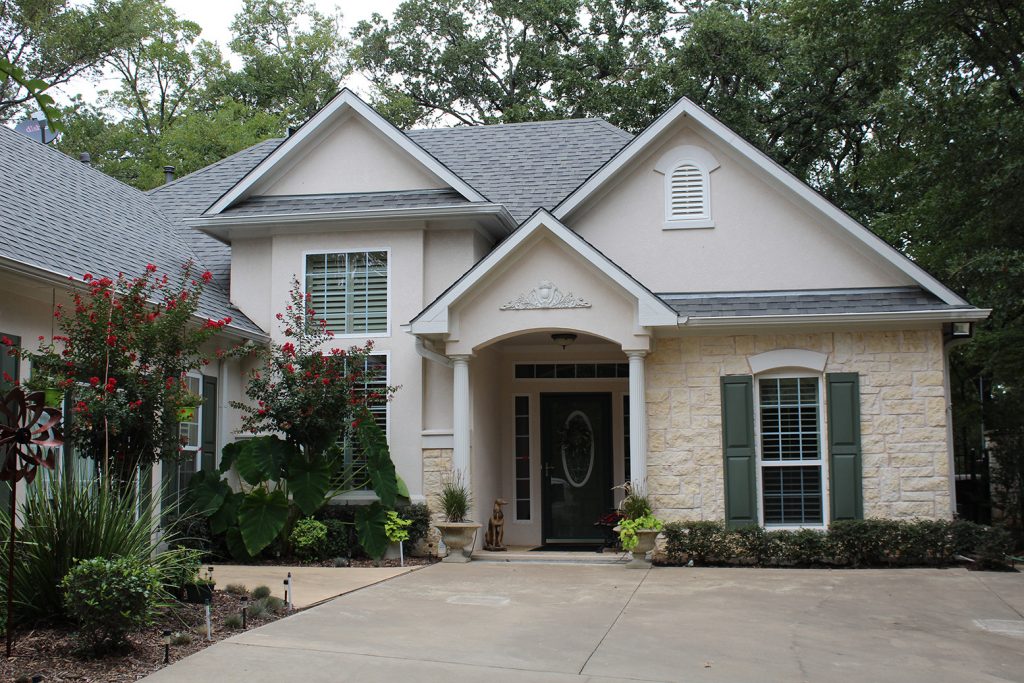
x=245, y=602
x=209, y=625
x=167, y=647
x=29, y=431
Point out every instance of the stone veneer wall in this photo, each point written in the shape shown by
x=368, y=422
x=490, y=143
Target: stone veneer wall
x=437, y=462
x=903, y=417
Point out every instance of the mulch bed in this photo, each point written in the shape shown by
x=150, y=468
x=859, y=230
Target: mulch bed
x=51, y=652
x=354, y=562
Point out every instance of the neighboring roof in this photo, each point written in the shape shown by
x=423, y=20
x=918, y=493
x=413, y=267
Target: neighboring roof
x=525, y=166
x=190, y=195
x=328, y=203
x=686, y=108
x=845, y=302
x=60, y=217
x=651, y=310
x=344, y=101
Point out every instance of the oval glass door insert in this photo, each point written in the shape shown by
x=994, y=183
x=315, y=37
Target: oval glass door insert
x=577, y=448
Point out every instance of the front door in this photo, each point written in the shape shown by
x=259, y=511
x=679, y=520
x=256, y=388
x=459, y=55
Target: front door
x=576, y=454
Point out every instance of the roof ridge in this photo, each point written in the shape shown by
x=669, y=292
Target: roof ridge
x=215, y=164
x=492, y=126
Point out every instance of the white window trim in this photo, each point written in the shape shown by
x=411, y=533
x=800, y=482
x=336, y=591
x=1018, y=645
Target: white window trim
x=705, y=162
x=360, y=250
x=369, y=496
x=822, y=448
x=197, y=450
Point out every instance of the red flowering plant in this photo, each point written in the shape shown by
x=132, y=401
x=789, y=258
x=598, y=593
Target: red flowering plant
x=122, y=356
x=305, y=400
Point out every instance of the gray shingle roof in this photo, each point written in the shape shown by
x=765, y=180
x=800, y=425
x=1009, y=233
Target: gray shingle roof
x=325, y=203
x=873, y=300
x=191, y=195
x=525, y=166
x=65, y=217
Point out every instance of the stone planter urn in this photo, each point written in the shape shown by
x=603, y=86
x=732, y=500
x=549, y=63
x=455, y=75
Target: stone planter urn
x=459, y=538
x=645, y=544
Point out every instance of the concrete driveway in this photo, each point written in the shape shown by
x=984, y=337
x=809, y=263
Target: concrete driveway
x=543, y=622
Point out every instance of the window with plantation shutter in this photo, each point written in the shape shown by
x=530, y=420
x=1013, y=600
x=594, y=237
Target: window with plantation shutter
x=350, y=290
x=688, y=193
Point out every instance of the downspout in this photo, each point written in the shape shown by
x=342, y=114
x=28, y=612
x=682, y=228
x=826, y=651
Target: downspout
x=948, y=347
x=424, y=351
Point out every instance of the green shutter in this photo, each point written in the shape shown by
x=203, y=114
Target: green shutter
x=844, y=461
x=738, y=445
x=208, y=439
x=8, y=364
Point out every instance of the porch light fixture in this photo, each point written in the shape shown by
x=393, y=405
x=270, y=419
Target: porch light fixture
x=563, y=339
x=962, y=330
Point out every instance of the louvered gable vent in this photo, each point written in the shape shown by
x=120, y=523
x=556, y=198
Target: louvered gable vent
x=688, y=193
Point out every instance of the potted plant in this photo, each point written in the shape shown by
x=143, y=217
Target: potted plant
x=457, y=532
x=192, y=588
x=397, y=529
x=639, y=528
x=51, y=385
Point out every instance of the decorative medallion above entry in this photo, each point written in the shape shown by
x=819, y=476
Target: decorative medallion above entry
x=545, y=295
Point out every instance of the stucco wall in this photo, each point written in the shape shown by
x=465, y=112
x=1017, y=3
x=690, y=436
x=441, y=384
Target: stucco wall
x=349, y=156
x=764, y=239
x=903, y=417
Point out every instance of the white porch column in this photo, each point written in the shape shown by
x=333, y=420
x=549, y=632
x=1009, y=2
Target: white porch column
x=460, y=417
x=637, y=418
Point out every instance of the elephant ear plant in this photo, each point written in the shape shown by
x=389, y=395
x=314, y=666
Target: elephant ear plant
x=316, y=397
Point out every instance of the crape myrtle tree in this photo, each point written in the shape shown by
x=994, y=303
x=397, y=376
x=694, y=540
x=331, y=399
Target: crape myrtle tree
x=122, y=354
x=308, y=404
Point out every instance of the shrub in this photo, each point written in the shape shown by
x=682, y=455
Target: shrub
x=233, y=621
x=256, y=609
x=419, y=515
x=260, y=592
x=309, y=539
x=236, y=589
x=108, y=598
x=69, y=520
x=273, y=604
x=337, y=543
x=180, y=639
x=854, y=543
x=397, y=527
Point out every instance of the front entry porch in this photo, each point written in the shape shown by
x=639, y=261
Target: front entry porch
x=552, y=432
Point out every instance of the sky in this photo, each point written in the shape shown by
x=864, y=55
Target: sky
x=215, y=16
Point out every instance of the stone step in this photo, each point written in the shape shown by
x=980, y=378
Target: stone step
x=550, y=557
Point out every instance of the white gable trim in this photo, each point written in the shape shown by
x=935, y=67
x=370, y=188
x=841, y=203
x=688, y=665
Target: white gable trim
x=686, y=107
x=652, y=311
x=344, y=101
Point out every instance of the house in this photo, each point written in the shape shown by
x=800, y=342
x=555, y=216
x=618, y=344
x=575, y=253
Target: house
x=565, y=308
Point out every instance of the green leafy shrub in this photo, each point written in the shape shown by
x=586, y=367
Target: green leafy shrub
x=337, y=543
x=309, y=539
x=397, y=527
x=260, y=592
x=109, y=598
x=850, y=543
x=628, y=528
x=419, y=515
x=69, y=520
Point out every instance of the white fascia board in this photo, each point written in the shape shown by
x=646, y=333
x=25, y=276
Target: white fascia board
x=211, y=223
x=686, y=107
x=344, y=100
x=651, y=310
x=940, y=315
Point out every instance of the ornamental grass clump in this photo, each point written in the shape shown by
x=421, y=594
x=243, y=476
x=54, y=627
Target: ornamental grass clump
x=455, y=498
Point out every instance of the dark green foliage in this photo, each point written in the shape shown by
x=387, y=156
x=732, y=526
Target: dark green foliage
x=419, y=514
x=337, y=542
x=309, y=539
x=847, y=543
x=109, y=598
x=68, y=520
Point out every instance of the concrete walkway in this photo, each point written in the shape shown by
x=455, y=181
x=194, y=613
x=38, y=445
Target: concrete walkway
x=310, y=585
x=537, y=622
